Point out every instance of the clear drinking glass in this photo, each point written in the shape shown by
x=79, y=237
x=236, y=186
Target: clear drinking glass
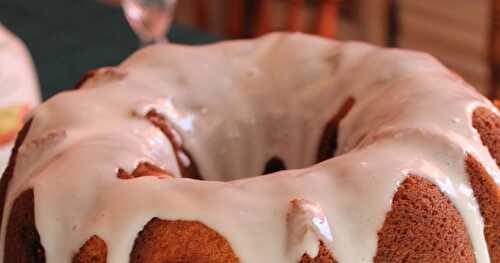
x=150, y=19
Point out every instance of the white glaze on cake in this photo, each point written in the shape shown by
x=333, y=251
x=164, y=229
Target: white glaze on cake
x=307, y=225
x=234, y=106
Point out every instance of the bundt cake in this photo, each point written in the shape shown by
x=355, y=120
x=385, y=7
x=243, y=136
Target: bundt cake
x=18, y=90
x=108, y=172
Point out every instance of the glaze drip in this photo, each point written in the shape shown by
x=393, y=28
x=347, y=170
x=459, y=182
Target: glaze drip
x=307, y=226
x=232, y=107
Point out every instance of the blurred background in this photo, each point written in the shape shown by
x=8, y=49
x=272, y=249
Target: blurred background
x=67, y=38
x=460, y=33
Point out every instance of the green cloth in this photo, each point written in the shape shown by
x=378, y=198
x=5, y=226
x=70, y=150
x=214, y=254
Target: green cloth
x=69, y=37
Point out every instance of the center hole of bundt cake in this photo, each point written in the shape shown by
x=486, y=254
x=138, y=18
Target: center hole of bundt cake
x=328, y=142
x=274, y=164
x=326, y=148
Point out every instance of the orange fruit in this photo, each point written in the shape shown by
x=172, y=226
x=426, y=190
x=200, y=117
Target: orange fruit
x=11, y=121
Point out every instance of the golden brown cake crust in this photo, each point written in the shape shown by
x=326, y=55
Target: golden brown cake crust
x=9, y=171
x=419, y=211
x=93, y=251
x=323, y=256
x=180, y=241
x=23, y=242
x=487, y=124
x=488, y=197
x=423, y=226
x=144, y=169
x=161, y=123
x=90, y=74
x=485, y=189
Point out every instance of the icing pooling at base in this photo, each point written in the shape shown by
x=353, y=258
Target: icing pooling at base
x=235, y=105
